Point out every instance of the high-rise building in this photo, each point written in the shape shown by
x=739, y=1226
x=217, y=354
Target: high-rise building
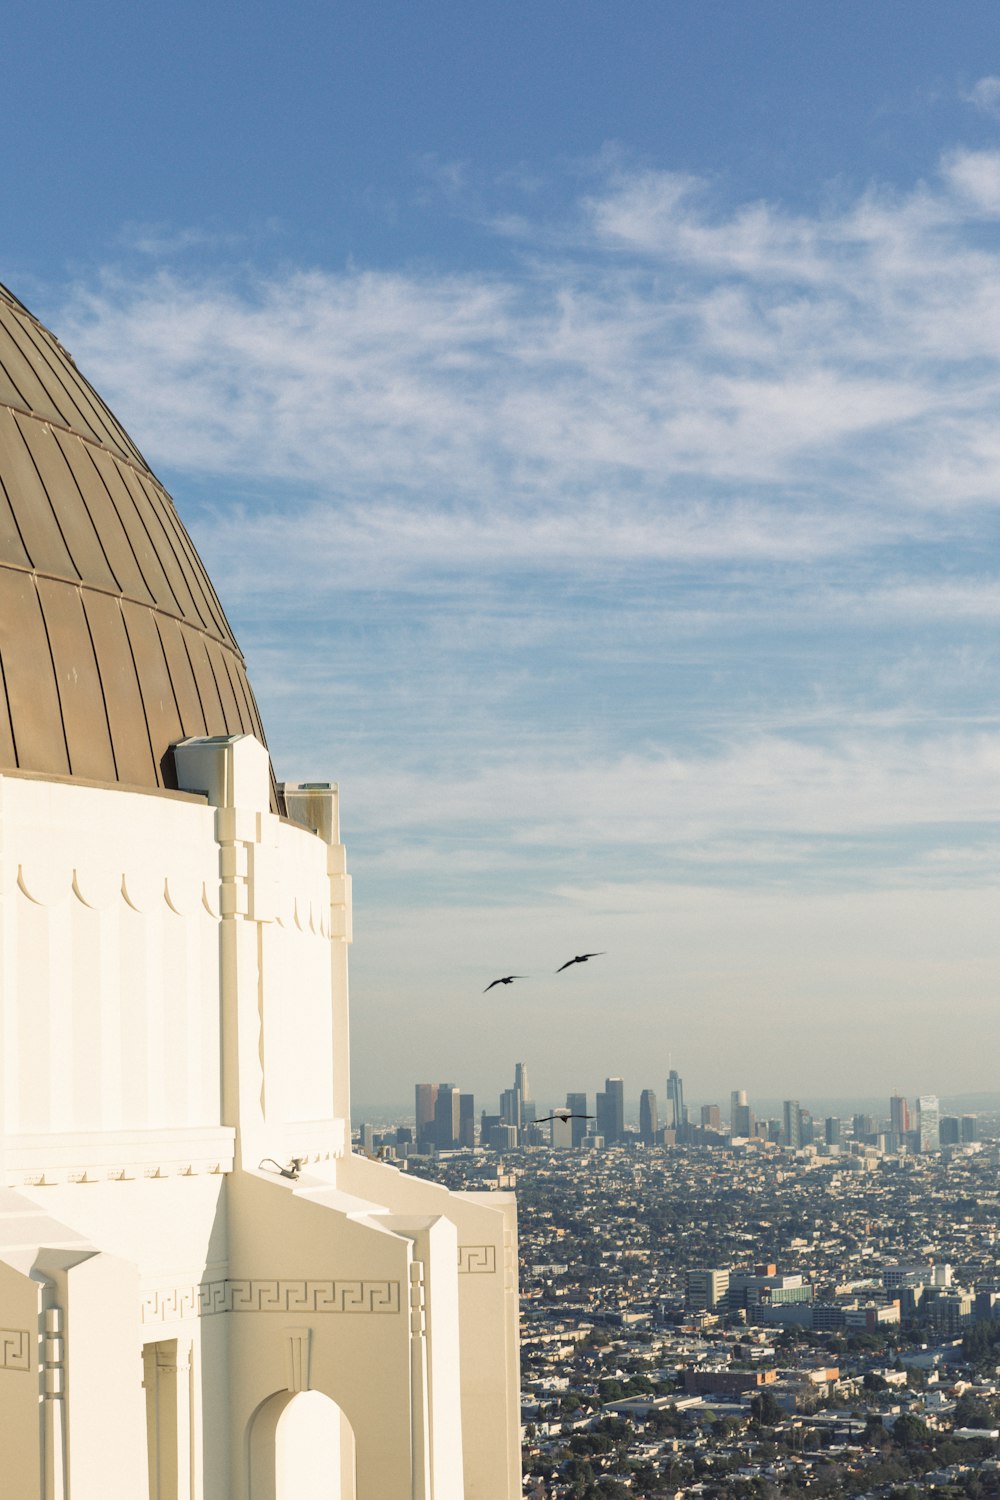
x=611, y=1111
x=560, y=1131
x=447, y=1116
x=864, y=1128
x=949, y=1130
x=899, y=1115
x=704, y=1290
x=467, y=1121
x=510, y=1107
x=741, y=1120
x=648, y=1123
x=831, y=1131
x=425, y=1105
x=928, y=1121
x=970, y=1128
x=791, y=1135
x=676, y=1116
x=521, y=1083
x=711, y=1117
x=577, y=1105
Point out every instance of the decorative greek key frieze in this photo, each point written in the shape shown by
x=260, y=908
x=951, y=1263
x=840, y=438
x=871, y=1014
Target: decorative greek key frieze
x=15, y=1349
x=477, y=1260
x=315, y=1296
x=213, y=1297
x=167, y=1304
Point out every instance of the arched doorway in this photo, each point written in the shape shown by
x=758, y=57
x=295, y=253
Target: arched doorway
x=301, y=1448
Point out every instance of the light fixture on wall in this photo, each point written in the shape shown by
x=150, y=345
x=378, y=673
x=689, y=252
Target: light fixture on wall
x=292, y=1171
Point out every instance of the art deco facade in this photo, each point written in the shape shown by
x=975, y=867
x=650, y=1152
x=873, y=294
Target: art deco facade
x=178, y=1319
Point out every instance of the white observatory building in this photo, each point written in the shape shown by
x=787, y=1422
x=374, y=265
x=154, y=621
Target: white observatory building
x=203, y=1294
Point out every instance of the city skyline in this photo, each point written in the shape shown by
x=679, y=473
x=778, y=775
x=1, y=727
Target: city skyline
x=588, y=421
x=898, y=1112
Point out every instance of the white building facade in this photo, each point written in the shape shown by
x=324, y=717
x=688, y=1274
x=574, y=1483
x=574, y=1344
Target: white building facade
x=203, y=1294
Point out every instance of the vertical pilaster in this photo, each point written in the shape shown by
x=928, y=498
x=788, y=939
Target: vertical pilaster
x=53, y=1383
x=169, y=1431
x=316, y=805
x=234, y=773
x=92, y=1362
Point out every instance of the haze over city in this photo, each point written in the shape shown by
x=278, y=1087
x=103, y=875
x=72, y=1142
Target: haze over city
x=588, y=419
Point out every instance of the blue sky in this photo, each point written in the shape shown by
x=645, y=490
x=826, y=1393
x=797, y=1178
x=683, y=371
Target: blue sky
x=588, y=414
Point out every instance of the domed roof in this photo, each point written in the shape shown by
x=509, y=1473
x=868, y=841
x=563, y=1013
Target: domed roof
x=113, y=644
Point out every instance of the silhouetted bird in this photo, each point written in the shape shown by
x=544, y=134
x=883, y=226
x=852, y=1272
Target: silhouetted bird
x=581, y=958
x=507, y=979
x=545, y=1118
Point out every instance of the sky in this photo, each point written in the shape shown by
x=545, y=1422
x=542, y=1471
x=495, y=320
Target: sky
x=588, y=414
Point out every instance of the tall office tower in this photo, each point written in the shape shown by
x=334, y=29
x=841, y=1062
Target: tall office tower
x=928, y=1121
x=614, y=1093
x=647, y=1117
x=807, y=1127
x=831, y=1131
x=741, y=1121
x=704, y=1290
x=560, y=1132
x=970, y=1128
x=466, y=1121
x=425, y=1104
x=510, y=1107
x=601, y=1122
x=527, y=1103
x=791, y=1135
x=949, y=1130
x=446, y=1116
x=899, y=1115
x=577, y=1105
x=711, y=1117
x=864, y=1127
x=675, y=1118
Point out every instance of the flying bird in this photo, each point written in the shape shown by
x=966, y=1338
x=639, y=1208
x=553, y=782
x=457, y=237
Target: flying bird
x=545, y=1118
x=581, y=958
x=507, y=979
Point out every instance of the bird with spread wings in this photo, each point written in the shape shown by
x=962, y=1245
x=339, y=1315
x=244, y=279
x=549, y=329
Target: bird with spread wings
x=581, y=958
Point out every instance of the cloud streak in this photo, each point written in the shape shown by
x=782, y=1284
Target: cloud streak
x=685, y=479
x=668, y=358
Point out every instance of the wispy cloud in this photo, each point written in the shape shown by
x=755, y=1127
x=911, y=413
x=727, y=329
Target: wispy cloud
x=849, y=785
x=985, y=95
x=677, y=373
x=695, y=477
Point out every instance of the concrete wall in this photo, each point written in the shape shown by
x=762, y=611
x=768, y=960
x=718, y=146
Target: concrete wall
x=174, y=1024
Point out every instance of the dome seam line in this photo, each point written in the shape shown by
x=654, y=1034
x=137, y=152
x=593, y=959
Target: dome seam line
x=99, y=588
x=93, y=442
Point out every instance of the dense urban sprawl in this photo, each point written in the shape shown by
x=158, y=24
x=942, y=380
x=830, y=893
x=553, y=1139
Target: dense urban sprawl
x=751, y=1319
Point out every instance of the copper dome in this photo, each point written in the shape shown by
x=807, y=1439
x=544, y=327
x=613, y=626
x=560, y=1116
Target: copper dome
x=113, y=644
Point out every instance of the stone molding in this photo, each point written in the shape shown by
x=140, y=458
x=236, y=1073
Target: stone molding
x=205, y=1299
x=15, y=1349
x=46, y=1159
x=477, y=1260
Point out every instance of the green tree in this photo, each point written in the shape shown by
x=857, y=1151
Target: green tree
x=909, y=1432
x=765, y=1409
